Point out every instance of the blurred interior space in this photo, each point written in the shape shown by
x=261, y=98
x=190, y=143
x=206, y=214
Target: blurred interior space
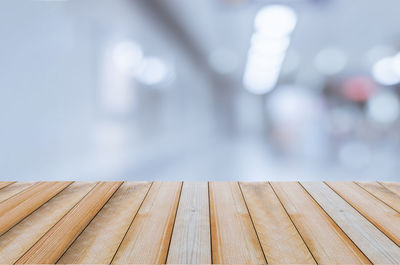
x=200, y=89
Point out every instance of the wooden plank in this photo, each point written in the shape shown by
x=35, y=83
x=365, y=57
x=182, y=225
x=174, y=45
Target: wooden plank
x=234, y=240
x=326, y=241
x=279, y=238
x=100, y=240
x=372, y=242
x=382, y=193
x=191, y=241
x=13, y=189
x=16, y=208
x=393, y=186
x=4, y=184
x=147, y=240
x=54, y=243
x=15, y=242
x=377, y=212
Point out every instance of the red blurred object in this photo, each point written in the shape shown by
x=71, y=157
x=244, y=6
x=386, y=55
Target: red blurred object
x=359, y=88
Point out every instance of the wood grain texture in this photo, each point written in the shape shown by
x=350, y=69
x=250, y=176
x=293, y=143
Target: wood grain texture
x=54, y=243
x=147, y=240
x=191, y=241
x=382, y=193
x=279, y=238
x=393, y=186
x=15, y=242
x=377, y=212
x=16, y=208
x=101, y=238
x=326, y=241
x=13, y=189
x=5, y=183
x=234, y=240
x=193, y=223
x=372, y=242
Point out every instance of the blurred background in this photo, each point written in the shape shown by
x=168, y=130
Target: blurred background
x=199, y=89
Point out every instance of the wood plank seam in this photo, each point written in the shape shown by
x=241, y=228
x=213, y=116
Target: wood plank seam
x=173, y=225
x=361, y=214
x=252, y=222
x=18, y=191
x=90, y=220
x=334, y=220
x=209, y=220
x=18, y=240
x=4, y=184
x=387, y=186
x=234, y=239
x=148, y=237
x=305, y=243
x=126, y=232
x=2, y=233
x=74, y=210
x=58, y=220
x=376, y=196
x=370, y=195
x=376, y=246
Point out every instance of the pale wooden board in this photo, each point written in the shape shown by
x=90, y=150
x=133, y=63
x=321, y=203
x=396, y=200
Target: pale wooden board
x=54, y=243
x=24, y=203
x=148, y=237
x=13, y=189
x=279, y=238
x=393, y=186
x=326, y=241
x=191, y=241
x=372, y=242
x=15, y=242
x=234, y=240
x=101, y=238
x=382, y=193
x=5, y=183
x=377, y=212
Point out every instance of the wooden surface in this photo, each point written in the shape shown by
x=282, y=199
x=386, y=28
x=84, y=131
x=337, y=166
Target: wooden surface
x=25, y=202
x=190, y=241
x=200, y=223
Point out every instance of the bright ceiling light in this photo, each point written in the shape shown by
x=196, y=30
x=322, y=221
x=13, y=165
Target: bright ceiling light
x=259, y=82
x=268, y=46
x=265, y=46
x=275, y=20
x=384, y=71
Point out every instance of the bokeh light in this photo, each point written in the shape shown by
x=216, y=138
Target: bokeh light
x=273, y=25
x=275, y=21
x=384, y=72
x=152, y=71
x=359, y=88
x=291, y=105
x=384, y=107
x=127, y=55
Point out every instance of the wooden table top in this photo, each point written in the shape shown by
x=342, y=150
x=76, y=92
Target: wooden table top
x=200, y=222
